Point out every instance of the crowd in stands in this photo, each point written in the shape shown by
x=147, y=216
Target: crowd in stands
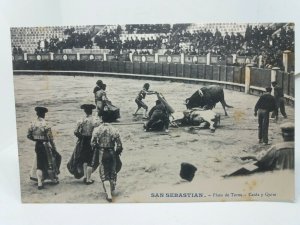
x=203, y=41
x=109, y=39
x=262, y=41
x=266, y=42
x=258, y=41
x=112, y=40
x=73, y=40
x=16, y=50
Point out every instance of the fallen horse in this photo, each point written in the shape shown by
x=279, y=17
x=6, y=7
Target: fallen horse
x=197, y=117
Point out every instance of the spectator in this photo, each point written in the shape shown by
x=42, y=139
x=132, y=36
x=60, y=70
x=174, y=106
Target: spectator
x=20, y=50
x=15, y=50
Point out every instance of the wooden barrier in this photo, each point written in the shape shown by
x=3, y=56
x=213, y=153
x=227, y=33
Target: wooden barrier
x=251, y=80
x=260, y=77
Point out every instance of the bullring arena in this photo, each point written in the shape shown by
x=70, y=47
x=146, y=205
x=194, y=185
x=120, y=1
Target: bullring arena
x=64, y=81
x=149, y=159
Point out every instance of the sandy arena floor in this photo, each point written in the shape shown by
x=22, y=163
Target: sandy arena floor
x=149, y=159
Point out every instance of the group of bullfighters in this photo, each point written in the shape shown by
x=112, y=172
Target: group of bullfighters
x=99, y=143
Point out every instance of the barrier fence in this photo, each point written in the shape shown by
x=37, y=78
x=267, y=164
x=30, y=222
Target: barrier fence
x=208, y=59
x=197, y=71
x=287, y=81
x=249, y=79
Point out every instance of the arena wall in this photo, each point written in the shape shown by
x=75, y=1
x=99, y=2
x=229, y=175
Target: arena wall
x=230, y=77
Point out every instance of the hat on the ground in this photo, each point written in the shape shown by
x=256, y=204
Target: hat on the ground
x=41, y=109
x=187, y=171
x=288, y=128
x=88, y=106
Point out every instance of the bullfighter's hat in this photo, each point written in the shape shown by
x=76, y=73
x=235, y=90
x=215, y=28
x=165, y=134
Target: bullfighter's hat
x=88, y=106
x=41, y=109
x=187, y=171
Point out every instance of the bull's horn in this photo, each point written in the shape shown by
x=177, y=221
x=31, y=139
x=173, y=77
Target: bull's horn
x=186, y=101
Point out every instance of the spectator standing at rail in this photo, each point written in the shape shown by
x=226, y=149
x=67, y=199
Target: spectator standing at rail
x=47, y=158
x=279, y=97
x=80, y=163
x=265, y=104
x=107, y=143
x=139, y=99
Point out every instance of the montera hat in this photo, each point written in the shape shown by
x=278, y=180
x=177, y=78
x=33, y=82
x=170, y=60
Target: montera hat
x=41, y=109
x=88, y=106
x=99, y=82
x=187, y=171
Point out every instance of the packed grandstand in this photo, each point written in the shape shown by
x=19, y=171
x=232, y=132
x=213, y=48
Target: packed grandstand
x=265, y=41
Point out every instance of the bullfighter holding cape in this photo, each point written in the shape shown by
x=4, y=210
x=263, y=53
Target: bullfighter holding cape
x=80, y=163
x=106, y=110
x=47, y=160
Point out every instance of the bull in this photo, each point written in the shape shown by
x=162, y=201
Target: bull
x=207, y=97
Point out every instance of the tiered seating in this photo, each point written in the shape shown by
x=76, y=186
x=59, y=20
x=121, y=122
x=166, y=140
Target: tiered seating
x=106, y=28
x=27, y=37
x=223, y=28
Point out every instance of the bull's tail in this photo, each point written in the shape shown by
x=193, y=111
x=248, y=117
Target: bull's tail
x=224, y=102
x=228, y=106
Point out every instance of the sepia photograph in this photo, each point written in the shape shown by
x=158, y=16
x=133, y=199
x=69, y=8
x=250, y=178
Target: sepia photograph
x=164, y=112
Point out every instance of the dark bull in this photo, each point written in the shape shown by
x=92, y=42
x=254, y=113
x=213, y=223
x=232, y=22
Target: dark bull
x=207, y=97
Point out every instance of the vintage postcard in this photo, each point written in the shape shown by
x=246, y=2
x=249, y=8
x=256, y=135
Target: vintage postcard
x=155, y=112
